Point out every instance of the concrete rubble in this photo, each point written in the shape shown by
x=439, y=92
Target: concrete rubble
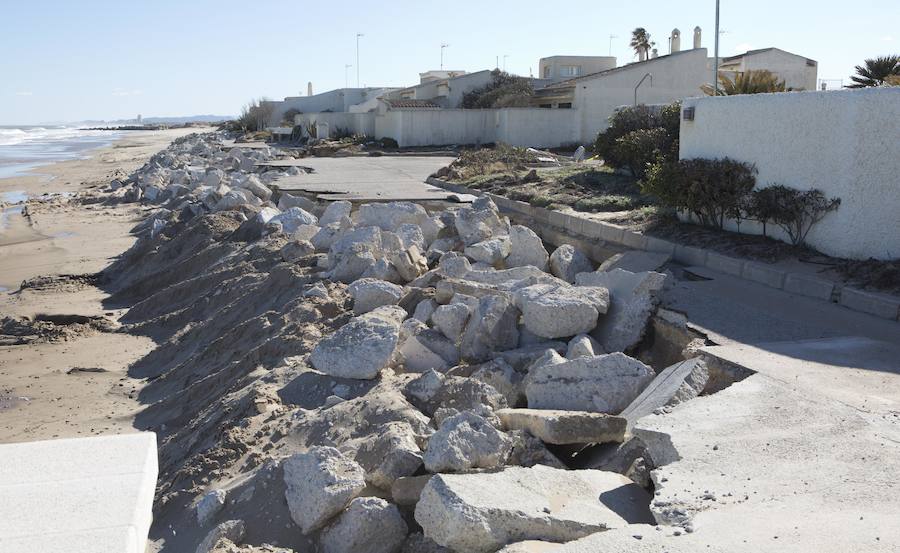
x=379, y=377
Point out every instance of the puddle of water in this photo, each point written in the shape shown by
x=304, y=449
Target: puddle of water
x=14, y=196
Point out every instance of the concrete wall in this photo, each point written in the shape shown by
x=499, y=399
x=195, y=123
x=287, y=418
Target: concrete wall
x=446, y=93
x=357, y=123
x=675, y=76
x=845, y=143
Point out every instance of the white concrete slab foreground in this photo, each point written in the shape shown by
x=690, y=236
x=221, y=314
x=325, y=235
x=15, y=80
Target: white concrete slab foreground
x=82, y=495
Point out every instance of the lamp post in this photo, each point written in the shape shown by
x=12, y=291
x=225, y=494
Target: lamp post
x=346, y=78
x=611, y=37
x=716, y=63
x=357, y=58
x=443, y=45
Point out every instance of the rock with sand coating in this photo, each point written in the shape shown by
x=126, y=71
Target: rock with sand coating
x=566, y=262
x=369, y=525
x=371, y=293
x=491, y=251
x=480, y=513
x=601, y=384
x=231, y=530
x=451, y=319
x=583, y=346
x=389, y=453
x=389, y=216
x=209, y=506
x=293, y=218
x=362, y=347
x=466, y=441
x=479, y=222
x=335, y=212
x=319, y=484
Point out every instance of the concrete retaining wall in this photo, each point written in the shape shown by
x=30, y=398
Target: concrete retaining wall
x=845, y=143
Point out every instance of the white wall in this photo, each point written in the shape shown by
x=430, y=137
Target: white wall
x=795, y=70
x=338, y=100
x=357, y=123
x=845, y=143
x=675, y=76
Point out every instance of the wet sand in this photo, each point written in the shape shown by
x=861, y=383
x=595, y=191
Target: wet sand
x=63, y=235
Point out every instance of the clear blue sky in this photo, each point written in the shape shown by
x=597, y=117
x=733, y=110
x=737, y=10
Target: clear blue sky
x=71, y=60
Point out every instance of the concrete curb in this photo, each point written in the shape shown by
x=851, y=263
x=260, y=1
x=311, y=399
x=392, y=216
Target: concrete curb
x=603, y=239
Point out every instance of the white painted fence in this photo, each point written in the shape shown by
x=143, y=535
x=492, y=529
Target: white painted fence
x=845, y=143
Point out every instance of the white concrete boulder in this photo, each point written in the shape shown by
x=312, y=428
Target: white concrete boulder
x=335, y=211
x=567, y=261
x=561, y=427
x=601, y=384
x=480, y=513
x=560, y=311
x=634, y=297
x=390, y=453
x=491, y=328
x=369, y=525
x=389, y=216
x=676, y=384
x=526, y=248
x=583, y=345
x=287, y=201
x=480, y=222
x=319, y=484
x=362, y=347
x=466, y=441
x=371, y=293
x=293, y=218
x=210, y=505
x=296, y=249
x=491, y=252
x=451, y=319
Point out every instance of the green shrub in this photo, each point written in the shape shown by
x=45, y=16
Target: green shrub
x=638, y=149
x=621, y=149
x=710, y=189
x=504, y=90
x=795, y=211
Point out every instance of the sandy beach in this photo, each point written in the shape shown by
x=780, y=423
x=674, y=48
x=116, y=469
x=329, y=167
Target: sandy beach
x=41, y=396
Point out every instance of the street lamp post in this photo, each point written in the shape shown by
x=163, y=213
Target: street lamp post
x=443, y=45
x=357, y=58
x=716, y=63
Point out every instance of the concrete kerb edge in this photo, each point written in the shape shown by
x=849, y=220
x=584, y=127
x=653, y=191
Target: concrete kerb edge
x=568, y=228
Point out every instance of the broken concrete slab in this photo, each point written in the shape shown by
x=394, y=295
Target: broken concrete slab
x=560, y=427
x=210, y=505
x=479, y=222
x=335, y=212
x=231, y=530
x=633, y=298
x=466, y=441
x=676, y=384
x=601, y=384
x=485, y=511
x=583, y=345
x=491, y=328
x=406, y=490
x=634, y=538
x=491, y=252
x=362, y=347
x=369, y=525
x=451, y=319
x=319, y=484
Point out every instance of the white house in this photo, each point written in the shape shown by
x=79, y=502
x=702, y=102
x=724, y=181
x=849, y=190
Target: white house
x=799, y=73
x=560, y=68
x=336, y=101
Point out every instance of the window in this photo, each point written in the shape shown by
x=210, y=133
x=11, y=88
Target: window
x=569, y=70
x=546, y=71
x=546, y=106
x=565, y=105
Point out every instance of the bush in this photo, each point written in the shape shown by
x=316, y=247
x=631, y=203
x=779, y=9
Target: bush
x=622, y=149
x=795, y=211
x=255, y=115
x=608, y=203
x=641, y=148
x=710, y=189
x=504, y=90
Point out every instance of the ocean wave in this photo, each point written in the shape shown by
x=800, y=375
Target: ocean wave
x=37, y=135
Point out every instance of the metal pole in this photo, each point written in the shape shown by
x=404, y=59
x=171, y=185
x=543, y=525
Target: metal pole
x=716, y=64
x=357, y=58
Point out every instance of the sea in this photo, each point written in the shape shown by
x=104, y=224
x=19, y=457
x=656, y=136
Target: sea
x=26, y=147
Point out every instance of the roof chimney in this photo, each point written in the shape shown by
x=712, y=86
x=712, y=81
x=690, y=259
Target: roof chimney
x=675, y=41
x=697, y=38
x=309, y=88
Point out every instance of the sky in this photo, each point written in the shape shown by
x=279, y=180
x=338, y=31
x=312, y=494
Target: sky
x=88, y=59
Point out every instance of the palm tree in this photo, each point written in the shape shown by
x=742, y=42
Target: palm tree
x=640, y=41
x=747, y=82
x=875, y=71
